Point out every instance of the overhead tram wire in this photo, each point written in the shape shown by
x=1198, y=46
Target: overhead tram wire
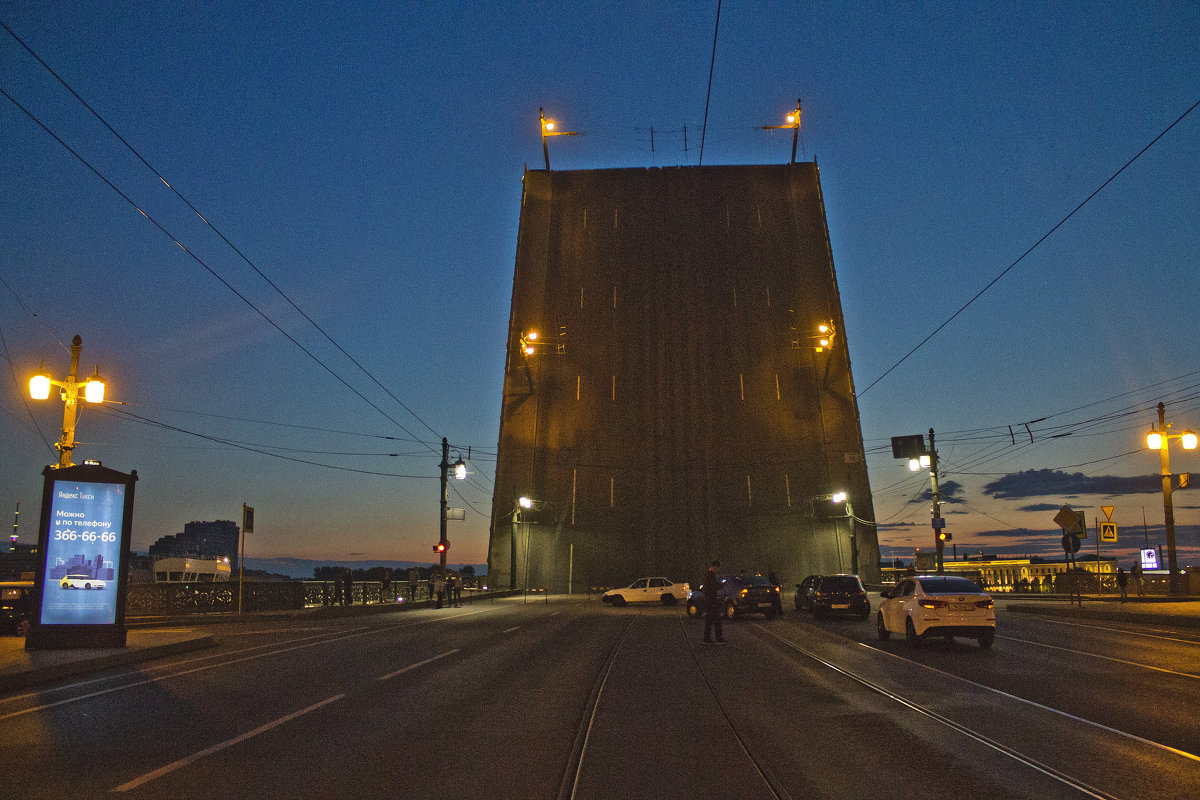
x=24, y=400
x=209, y=269
x=708, y=94
x=265, y=452
x=272, y=451
x=232, y=246
x=1032, y=247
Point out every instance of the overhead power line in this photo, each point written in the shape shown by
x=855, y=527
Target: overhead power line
x=225, y=239
x=1032, y=247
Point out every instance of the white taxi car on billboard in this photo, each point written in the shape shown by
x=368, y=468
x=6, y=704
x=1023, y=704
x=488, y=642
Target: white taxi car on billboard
x=648, y=590
x=937, y=605
x=81, y=581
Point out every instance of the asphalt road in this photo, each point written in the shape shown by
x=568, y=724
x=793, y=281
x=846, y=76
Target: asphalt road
x=572, y=698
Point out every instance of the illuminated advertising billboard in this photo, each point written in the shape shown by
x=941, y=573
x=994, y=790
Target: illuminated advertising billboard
x=84, y=534
x=83, y=554
x=1149, y=558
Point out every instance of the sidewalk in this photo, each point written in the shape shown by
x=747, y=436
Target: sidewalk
x=1149, y=610
x=20, y=669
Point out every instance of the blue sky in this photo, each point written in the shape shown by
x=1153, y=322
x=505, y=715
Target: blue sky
x=368, y=161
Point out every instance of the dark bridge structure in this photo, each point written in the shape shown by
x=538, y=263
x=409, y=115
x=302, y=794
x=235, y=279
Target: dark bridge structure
x=667, y=398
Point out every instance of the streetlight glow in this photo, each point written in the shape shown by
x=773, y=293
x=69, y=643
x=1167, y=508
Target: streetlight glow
x=525, y=502
x=39, y=387
x=1188, y=440
x=93, y=390
x=460, y=469
x=838, y=497
x=1154, y=441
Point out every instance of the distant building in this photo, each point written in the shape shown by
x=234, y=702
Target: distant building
x=18, y=560
x=217, y=539
x=997, y=574
x=191, y=570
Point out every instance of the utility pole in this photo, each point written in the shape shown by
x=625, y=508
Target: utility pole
x=443, y=545
x=937, y=506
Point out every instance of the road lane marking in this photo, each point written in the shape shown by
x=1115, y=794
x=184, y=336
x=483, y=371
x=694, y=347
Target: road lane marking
x=216, y=748
x=510, y=630
x=134, y=684
x=1104, y=658
x=1161, y=635
x=418, y=664
x=1002, y=693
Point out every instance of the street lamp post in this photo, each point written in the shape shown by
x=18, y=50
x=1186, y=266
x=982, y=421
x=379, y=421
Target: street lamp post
x=1157, y=439
x=93, y=392
x=548, y=129
x=460, y=472
x=524, y=503
x=793, y=122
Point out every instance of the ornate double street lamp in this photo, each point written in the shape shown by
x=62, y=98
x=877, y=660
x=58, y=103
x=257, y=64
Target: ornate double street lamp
x=1157, y=440
x=93, y=392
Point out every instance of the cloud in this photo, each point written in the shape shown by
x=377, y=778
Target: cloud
x=948, y=492
x=1040, y=507
x=1056, y=483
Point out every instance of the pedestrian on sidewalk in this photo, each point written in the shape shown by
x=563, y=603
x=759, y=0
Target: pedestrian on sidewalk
x=712, y=603
x=1136, y=574
x=1122, y=582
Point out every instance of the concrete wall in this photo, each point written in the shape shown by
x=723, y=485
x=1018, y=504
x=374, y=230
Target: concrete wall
x=675, y=410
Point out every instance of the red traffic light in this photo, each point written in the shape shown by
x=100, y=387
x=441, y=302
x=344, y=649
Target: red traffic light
x=441, y=547
x=944, y=536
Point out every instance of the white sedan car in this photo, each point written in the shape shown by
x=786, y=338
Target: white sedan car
x=937, y=605
x=648, y=590
x=81, y=581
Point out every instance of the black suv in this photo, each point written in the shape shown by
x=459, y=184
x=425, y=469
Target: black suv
x=833, y=594
x=741, y=594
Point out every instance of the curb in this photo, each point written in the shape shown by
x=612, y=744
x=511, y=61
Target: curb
x=1107, y=614
x=25, y=678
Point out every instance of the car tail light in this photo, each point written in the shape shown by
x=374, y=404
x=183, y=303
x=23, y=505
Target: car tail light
x=929, y=602
x=983, y=603
x=745, y=592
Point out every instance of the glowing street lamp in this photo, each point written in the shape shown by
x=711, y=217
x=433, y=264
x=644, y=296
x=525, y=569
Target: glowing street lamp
x=527, y=343
x=793, y=122
x=93, y=392
x=824, y=336
x=1158, y=439
x=550, y=128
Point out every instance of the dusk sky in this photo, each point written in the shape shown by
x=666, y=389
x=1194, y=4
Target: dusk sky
x=367, y=160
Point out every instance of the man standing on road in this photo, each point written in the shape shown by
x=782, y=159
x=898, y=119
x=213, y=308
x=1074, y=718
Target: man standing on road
x=1122, y=582
x=1135, y=572
x=712, y=603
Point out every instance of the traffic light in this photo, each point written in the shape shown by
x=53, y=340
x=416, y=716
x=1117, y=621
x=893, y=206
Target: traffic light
x=440, y=547
x=944, y=535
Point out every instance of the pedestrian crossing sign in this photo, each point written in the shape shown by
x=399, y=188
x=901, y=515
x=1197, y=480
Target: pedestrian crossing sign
x=1108, y=531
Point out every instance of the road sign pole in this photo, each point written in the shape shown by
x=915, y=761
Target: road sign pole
x=1099, y=577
